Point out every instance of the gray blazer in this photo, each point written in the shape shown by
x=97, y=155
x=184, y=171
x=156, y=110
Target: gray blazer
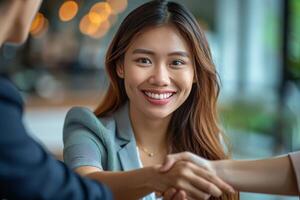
x=107, y=143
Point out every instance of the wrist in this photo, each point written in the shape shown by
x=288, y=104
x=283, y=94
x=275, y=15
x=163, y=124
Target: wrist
x=218, y=168
x=223, y=170
x=153, y=179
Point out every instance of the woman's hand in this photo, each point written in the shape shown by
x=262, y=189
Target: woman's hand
x=195, y=181
x=174, y=194
x=212, y=184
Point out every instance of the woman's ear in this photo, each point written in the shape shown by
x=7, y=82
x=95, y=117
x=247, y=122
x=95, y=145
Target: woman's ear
x=120, y=70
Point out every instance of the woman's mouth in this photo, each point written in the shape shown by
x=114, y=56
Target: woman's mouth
x=158, y=97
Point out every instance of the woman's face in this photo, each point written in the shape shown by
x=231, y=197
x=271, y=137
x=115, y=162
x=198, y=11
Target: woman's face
x=158, y=71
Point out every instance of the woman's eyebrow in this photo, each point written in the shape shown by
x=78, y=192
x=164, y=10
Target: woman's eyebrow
x=175, y=53
x=143, y=51
x=179, y=53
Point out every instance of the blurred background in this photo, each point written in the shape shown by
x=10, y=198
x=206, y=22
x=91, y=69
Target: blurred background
x=255, y=45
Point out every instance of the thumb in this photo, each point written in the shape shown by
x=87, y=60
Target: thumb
x=168, y=163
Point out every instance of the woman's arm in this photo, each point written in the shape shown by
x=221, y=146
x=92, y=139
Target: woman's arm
x=273, y=176
x=124, y=185
x=140, y=182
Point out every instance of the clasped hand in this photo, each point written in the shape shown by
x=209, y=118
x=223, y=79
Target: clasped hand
x=188, y=176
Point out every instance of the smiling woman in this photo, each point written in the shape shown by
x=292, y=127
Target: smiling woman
x=157, y=77
x=161, y=99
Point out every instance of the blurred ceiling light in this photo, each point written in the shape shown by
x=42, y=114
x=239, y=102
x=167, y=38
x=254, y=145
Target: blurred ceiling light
x=102, y=30
x=117, y=6
x=97, y=22
x=96, y=18
x=39, y=24
x=86, y=26
x=43, y=30
x=68, y=10
x=99, y=12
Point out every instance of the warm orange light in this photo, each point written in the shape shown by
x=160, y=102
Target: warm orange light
x=39, y=32
x=87, y=27
x=117, y=6
x=37, y=24
x=68, y=11
x=96, y=18
x=102, y=30
x=96, y=23
x=99, y=12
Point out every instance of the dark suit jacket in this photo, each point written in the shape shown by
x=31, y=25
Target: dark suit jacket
x=27, y=171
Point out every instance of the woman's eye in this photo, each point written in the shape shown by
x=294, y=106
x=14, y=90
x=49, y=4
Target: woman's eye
x=143, y=61
x=177, y=62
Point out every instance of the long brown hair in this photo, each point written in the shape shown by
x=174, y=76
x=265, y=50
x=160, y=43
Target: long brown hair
x=194, y=125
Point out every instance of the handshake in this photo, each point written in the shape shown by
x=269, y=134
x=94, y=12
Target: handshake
x=188, y=176
x=185, y=176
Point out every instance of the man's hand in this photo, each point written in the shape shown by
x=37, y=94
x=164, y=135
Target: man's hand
x=185, y=156
x=208, y=173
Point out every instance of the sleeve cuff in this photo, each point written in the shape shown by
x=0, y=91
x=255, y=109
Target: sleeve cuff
x=295, y=158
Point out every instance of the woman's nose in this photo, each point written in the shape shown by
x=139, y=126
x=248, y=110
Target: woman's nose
x=160, y=76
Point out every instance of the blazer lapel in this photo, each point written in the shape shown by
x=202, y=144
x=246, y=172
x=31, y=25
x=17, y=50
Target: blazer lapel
x=128, y=153
x=128, y=157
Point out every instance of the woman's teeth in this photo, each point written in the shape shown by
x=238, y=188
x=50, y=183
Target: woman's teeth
x=158, y=96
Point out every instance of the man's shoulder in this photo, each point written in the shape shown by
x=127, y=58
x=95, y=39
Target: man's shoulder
x=9, y=93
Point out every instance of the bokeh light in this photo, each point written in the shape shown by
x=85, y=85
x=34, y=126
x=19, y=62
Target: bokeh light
x=101, y=30
x=97, y=22
x=39, y=25
x=87, y=27
x=68, y=11
x=100, y=12
x=117, y=6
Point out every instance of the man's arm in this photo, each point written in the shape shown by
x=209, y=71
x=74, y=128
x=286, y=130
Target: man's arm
x=27, y=171
x=275, y=175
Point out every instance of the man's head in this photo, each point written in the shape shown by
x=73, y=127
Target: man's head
x=15, y=19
